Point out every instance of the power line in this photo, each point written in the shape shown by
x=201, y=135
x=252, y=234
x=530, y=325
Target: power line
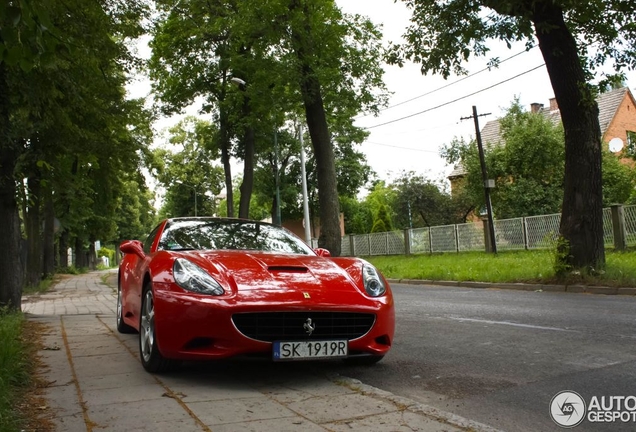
x=449, y=84
x=456, y=100
x=425, y=129
x=398, y=147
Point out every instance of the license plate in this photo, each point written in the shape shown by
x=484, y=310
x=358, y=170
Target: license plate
x=306, y=350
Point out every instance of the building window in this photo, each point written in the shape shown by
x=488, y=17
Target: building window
x=631, y=143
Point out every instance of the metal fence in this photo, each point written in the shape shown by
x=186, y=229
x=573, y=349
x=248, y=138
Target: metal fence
x=532, y=232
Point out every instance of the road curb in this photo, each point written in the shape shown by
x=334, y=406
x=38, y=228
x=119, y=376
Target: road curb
x=413, y=406
x=575, y=288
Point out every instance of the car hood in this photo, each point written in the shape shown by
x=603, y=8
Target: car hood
x=267, y=271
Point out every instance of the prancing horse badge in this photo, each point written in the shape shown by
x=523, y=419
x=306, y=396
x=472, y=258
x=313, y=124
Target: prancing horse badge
x=306, y=295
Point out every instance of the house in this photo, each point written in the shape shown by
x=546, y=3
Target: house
x=617, y=118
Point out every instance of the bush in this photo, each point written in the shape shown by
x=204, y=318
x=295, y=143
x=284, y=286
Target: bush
x=109, y=253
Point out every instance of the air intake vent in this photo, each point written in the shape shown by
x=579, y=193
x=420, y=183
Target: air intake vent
x=287, y=269
x=281, y=326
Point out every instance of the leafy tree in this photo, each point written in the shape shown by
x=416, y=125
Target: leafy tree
x=190, y=173
x=619, y=180
x=358, y=218
x=382, y=222
x=575, y=38
x=420, y=202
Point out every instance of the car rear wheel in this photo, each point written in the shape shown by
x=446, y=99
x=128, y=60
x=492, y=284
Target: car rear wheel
x=151, y=358
x=122, y=327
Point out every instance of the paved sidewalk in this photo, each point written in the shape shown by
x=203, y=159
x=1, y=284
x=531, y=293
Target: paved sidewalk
x=97, y=382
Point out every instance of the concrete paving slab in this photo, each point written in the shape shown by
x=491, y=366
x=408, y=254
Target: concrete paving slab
x=208, y=389
x=147, y=414
x=131, y=393
x=63, y=399
x=111, y=364
x=292, y=424
x=328, y=409
x=287, y=395
x=102, y=382
x=401, y=421
x=70, y=423
x=99, y=346
x=232, y=410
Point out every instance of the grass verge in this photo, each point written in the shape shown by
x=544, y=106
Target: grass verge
x=22, y=407
x=517, y=266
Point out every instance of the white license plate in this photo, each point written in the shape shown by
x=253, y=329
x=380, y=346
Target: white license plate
x=304, y=350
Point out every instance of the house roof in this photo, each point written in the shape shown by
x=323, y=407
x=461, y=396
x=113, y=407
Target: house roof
x=608, y=104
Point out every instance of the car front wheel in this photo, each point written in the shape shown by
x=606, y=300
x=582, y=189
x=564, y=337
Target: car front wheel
x=151, y=358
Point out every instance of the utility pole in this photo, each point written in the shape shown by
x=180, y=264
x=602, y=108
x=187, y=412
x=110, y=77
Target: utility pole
x=488, y=184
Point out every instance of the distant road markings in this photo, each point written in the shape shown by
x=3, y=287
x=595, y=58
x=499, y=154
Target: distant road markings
x=514, y=324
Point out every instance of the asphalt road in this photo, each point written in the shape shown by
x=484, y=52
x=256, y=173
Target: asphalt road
x=499, y=357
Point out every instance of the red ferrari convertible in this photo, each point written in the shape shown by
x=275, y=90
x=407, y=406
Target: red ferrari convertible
x=209, y=288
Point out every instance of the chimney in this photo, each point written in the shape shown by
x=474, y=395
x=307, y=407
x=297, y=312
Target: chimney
x=553, y=105
x=535, y=107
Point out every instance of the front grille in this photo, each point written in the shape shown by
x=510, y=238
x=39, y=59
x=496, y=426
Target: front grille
x=282, y=326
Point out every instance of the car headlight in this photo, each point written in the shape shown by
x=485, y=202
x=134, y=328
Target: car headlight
x=373, y=283
x=193, y=278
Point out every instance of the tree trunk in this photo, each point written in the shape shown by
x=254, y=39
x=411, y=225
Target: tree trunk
x=92, y=256
x=49, y=234
x=247, y=184
x=81, y=258
x=34, y=238
x=11, y=267
x=310, y=88
x=63, y=247
x=582, y=211
x=225, y=160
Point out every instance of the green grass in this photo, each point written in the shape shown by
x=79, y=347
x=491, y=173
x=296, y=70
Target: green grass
x=42, y=287
x=14, y=368
x=519, y=266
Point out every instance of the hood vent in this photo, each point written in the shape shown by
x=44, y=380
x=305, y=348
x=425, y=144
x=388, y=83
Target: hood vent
x=287, y=269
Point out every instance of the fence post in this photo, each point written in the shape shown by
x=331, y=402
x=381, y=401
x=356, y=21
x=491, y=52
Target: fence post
x=487, y=239
x=456, y=239
x=430, y=241
x=407, y=241
x=369, y=243
x=618, y=223
x=525, y=233
x=352, y=245
x=386, y=243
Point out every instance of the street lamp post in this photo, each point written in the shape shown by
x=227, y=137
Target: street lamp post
x=304, y=182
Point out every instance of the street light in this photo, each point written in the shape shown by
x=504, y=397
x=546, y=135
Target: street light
x=277, y=217
x=304, y=183
x=195, y=194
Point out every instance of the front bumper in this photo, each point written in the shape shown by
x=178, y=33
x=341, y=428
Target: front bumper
x=199, y=327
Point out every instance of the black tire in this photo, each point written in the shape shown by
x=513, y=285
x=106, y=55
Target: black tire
x=122, y=327
x=151, y=358
x=363, y=360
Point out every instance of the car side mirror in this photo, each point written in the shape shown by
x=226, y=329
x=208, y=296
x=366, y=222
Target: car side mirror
x=322, y=252
x=134, y=247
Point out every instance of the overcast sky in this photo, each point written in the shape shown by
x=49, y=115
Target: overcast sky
x=413, y=143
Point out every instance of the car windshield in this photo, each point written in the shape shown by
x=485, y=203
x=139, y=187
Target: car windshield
x=212, y=234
